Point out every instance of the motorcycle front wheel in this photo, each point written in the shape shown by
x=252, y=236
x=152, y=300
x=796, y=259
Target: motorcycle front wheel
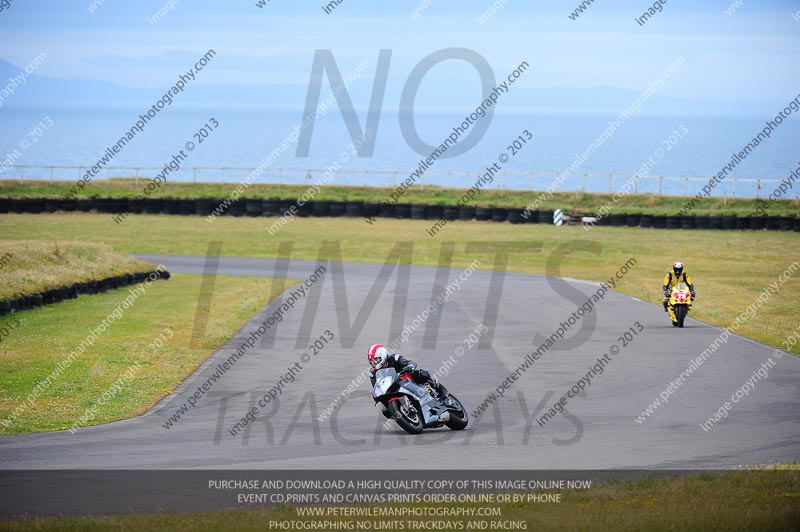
x=409, y=418
x=680, y=313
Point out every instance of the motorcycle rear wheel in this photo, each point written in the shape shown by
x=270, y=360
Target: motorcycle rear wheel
x=458, y=418
x=410, y=421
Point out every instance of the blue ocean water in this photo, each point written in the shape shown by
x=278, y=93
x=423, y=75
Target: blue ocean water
x=699, y=148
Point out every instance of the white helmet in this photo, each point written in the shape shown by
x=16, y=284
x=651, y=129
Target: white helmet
x=678, y=268
x=377, y=356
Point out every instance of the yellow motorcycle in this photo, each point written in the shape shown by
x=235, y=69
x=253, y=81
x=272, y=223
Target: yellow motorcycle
x=680, y=302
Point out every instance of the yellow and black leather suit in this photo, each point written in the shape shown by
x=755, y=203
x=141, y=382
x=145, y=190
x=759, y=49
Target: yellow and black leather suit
x=671, y=279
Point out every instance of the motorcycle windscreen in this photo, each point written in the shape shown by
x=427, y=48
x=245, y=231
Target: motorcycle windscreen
x=384, y=378
x=681, y=287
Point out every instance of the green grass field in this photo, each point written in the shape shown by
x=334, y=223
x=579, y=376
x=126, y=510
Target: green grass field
x=730, y=501
x=730, y=268
x=37, y=265
x=584, y=202
x=46, y=335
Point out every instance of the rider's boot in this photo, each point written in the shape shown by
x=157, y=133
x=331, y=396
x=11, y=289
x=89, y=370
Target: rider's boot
x=443, y=393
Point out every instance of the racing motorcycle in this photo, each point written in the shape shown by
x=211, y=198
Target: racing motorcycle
x=415, y=407
x=680, y=301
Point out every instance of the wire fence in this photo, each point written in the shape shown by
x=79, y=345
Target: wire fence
x=532, y=180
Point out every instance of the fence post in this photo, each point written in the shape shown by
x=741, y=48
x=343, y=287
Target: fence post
x=734, y=187
x=22, y=174
x=685, y=187
x=609, y=183
x=758, y=188
x=51, y=175
x=530, y=180
x=660, y=185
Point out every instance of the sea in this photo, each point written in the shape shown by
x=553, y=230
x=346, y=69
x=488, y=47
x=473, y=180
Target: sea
x=671, y=155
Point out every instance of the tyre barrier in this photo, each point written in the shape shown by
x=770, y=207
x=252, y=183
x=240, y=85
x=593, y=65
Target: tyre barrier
x=729, y=222
x=187, y=207
x=545, y=217
x=338, y=208
x=204, y=206
x=371, y=209
x=451, y=212
x=673, y=222
x=402, y=211
x=101, y=204
x=499, y=214
x=355, y=209
x=269, y=207
x=305, y=210
x=418, y=212
x=321, y=208
x=170, y=206
x=72, y=291
x=254, y=207
x=618, y=219
x=466, y=213
x=515, y=216
x=387, y=210
x=633, y=220
x=52, y=205
x=434, y=212
x=483, y=213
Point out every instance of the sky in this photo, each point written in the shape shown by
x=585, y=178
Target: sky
x=748, y=57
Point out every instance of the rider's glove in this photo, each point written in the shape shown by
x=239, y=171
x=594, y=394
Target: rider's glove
x=408, y=369
x=421, y=374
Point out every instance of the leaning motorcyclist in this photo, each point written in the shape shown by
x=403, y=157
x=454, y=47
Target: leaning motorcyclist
x=380, y=358
x=673, y=277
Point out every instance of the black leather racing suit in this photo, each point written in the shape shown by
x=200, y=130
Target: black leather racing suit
x=398, y=362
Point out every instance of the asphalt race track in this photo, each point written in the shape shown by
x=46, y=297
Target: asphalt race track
x=599, y=431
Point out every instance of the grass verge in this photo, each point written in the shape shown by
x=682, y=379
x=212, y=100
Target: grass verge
x=45, y=336
x=33, y=266
x=730, y=501
x=730, y=268
x=580, y=201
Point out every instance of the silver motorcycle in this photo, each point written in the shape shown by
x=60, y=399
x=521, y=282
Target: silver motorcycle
x=415, y=407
